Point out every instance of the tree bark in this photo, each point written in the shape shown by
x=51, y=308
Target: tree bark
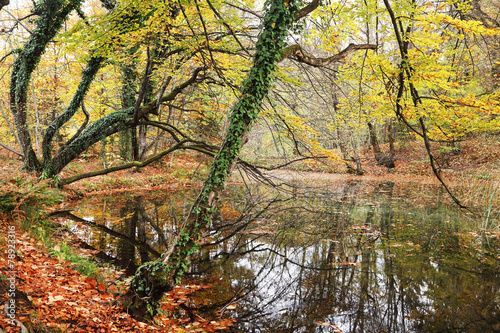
x=4, y=3
x=374, y=140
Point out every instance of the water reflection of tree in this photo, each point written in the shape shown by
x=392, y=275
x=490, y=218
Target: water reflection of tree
x=346, y=255
x=390, y=287
x=131, y=232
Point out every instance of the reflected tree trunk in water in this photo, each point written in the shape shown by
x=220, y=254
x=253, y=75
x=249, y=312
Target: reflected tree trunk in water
x=142, y=219
x=125, y=248
x=386, y=206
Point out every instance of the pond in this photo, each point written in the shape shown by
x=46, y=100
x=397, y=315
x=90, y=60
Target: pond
x=351, y=256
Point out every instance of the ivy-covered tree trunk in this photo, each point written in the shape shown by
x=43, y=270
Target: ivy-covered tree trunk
x=153, y=279
x=52, y=14
x=51, y=167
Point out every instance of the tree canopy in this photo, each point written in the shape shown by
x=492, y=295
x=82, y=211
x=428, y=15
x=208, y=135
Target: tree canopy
x=151, y=77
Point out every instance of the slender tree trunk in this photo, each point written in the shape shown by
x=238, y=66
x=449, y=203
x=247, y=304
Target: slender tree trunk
x=37, y=128
x=128, y=100
x=356, y=159
x=153, y=279
x=390, y=138
x=142, y=143
x=374, y=140
x=382, y=159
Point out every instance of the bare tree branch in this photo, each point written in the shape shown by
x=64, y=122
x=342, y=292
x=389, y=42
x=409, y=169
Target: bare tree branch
x=10, y=149
x=6, y=56
x=10, y=126
x=299, y=54
x=150, y=107
x=254, y=13
x=228, y=27
x=18, y=20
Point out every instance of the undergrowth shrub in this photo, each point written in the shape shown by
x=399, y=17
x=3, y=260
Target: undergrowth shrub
x=22, y=192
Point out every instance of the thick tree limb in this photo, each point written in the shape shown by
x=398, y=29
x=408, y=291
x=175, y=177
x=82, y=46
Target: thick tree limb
x=299, y=54
x=129, y=165
x=307, y=9
x=98, y=130
x=80, y=130
x=90, y=71
x=4, y=3
x=108, y=125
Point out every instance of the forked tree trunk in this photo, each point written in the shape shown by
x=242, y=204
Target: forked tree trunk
x=153, y=279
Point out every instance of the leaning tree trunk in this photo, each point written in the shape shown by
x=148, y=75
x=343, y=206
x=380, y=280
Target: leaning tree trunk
x=155, y=278
x=52, y=15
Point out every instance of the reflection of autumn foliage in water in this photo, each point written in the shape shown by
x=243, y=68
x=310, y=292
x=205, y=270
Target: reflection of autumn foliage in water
x=228, y=212
x=336, y=249
x=181, y=307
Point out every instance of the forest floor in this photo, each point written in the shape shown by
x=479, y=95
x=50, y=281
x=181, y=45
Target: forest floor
x=52, y=296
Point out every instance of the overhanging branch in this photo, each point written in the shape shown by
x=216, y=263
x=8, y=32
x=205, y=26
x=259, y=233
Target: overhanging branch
x=152, y=159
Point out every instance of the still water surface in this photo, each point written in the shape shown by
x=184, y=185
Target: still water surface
x=351, y=256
